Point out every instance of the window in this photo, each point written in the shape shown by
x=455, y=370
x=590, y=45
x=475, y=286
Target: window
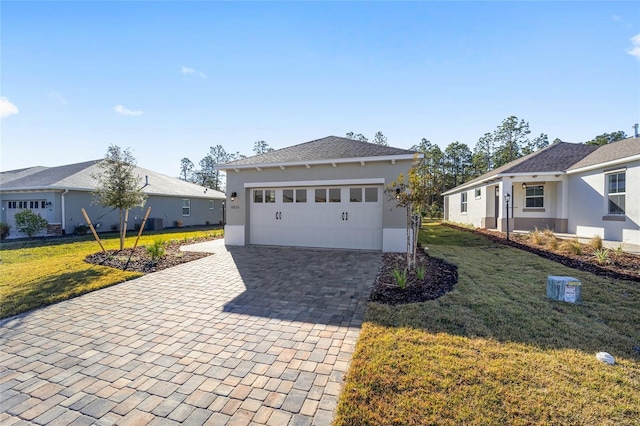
x=371, y=195
x=269, y=195
x=212, y=204
x=12, y=204
x=463, y=202
x=287, y=195
x=258, y=195
x=186, y=207
x=321, y=195
x=334, y=195
x=355, y=195
x=534, y=197
x=301, y=195
x=478, y=193
x=616, y=190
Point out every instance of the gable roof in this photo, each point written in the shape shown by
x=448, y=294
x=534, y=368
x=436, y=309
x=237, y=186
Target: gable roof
x=553, y=159
x=609, y=155
x=78, y=177
x=320, y=151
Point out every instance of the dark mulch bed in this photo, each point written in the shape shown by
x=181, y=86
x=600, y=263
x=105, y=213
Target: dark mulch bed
x=439, y=279
x=623, y=266
x=139, y=260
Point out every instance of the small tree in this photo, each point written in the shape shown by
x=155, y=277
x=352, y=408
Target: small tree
x=30, y=223
x=412, y=193
x=118, y=185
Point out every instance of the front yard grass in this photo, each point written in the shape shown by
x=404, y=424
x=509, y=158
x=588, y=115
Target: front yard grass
x=495, y=350
x=40, y=272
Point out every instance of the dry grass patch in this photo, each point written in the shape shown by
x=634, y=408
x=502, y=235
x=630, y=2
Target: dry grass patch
x=495, y=350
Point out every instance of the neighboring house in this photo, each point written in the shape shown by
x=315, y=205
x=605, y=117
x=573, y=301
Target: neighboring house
x=569, y=188
x=328, y=192
x=58, y=194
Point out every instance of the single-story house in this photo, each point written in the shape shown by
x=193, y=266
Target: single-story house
x=59, y=193
x=328, y=193
x=570, y=188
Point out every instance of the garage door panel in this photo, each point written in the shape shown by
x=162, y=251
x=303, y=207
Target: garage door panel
x=294, y=220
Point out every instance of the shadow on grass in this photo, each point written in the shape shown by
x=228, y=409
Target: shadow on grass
x=501, y=295
x=52, y=289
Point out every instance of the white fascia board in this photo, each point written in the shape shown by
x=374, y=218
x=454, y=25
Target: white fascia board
x=499, y=176
x=384, y=158
x=334, y=182
x=606, y=164
x=41, y=189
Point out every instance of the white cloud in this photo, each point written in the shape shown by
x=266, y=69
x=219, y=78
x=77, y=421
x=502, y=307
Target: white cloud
x=7, y=108
x=634, y=50
x=189, y=70
x=59, y=97
x=616, y=18
x=124, y=111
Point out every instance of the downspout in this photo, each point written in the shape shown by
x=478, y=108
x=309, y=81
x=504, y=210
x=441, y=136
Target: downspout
x=63, y=211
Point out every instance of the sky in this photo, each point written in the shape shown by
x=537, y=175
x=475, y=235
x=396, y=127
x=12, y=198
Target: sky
x=171, y=79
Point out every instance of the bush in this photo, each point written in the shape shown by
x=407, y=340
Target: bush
x=553, y=243
x=571, y=246
x=596, y=242
x=156, y=250
x=30, y=223
x=4, y=230
x=81, y=229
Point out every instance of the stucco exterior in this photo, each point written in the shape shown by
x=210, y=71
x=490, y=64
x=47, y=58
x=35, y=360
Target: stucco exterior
x=573, y=181
x=59, y=193
x=373, y=171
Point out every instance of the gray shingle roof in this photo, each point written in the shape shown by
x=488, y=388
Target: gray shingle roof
x=325, y=149
x=610, y=152
x=557, y=157
x=78, y=177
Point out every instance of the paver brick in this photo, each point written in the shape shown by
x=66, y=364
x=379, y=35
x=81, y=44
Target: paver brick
x=199, y=343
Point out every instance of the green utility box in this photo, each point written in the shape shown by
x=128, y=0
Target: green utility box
x=564, y=289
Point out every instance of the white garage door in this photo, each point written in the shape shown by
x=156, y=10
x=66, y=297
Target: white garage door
x=334, y=217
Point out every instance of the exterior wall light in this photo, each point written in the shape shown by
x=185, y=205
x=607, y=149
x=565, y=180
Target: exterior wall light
x=524, y=186
x=397, y=193
x=233, y=196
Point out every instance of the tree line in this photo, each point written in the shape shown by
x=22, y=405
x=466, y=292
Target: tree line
x=440, y=170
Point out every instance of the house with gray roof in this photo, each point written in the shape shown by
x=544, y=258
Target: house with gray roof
x=59, y=193
x=571, y=188
x=328, y=192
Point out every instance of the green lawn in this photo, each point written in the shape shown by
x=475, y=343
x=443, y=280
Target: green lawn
x=496, y=350
x=41, y=272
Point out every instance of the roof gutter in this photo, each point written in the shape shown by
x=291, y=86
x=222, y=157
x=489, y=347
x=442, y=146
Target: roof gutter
x=606, y=164
x=392, y=158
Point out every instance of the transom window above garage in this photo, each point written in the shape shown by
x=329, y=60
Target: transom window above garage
x=294, y=195
x=264, y=195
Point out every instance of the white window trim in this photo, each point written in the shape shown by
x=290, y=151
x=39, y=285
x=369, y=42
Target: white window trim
x=533, y=197
x=464, y=202
x=606, y=198
x=186, y=206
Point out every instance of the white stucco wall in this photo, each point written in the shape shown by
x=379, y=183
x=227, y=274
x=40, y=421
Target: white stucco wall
x=588, y=206
x=394, y=221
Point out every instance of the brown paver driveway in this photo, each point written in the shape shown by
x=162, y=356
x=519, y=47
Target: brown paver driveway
x=250, y=335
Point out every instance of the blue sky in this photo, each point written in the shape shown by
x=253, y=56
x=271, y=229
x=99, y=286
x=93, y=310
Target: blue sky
x=171, y=79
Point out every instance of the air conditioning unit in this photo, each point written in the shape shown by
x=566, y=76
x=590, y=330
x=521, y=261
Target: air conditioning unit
x=154, y=224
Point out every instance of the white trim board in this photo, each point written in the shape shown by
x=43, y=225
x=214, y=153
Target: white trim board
x=332, y=182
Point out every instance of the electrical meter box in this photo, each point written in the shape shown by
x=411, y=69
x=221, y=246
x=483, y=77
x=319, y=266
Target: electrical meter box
x=564, y=289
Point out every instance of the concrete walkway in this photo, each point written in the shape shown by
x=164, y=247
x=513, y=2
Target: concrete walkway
x=252, y=335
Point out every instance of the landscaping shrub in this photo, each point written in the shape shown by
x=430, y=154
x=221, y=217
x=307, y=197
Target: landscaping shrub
x=30, y=223
x=156, y=250
x=596, y=242
x=4, y=230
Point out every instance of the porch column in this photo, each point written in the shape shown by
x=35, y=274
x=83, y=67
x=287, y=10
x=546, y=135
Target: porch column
x=562, y=213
